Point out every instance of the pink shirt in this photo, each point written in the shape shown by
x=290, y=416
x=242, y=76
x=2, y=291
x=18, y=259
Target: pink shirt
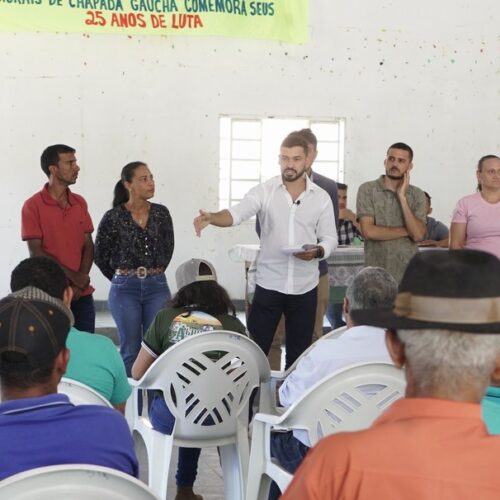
x=483, y=223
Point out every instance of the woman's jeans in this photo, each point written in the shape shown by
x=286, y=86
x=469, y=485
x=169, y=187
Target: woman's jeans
x=163, y=421
x=134, y=303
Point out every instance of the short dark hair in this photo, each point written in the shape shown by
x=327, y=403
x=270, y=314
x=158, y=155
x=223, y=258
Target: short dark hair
x=50, y=156
x=11, y=376
x=341, y=186
x=295, y=139
x=120, y=194
x=309, y=136
x=41, y=272
x=403, y=146
x=206, y=296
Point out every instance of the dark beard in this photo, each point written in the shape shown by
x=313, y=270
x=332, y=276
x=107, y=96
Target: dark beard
x=395, y=177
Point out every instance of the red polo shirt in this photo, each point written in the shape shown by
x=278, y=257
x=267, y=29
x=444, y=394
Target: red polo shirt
x=62, y=229
x=418, y=449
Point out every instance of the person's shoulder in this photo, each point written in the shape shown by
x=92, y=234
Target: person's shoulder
x=34, y=198
x=471, y=198
x=271, y=182
x=158, y=207
x=104, y=414
x=229, y=319
x=416, y=191
x=369, y=185
x=323, y=181
x=97, y=340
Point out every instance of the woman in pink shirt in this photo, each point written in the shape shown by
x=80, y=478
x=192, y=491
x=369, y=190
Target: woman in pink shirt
x=476, y=218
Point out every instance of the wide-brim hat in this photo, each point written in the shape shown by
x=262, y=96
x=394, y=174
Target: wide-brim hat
x=447, y=290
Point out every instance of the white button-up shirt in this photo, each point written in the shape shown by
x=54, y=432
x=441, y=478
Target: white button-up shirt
x=283, y=222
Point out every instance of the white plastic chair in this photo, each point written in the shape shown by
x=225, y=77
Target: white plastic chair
x=81, y=394
x=196, y=387
x=74, y=482
x=347, y=400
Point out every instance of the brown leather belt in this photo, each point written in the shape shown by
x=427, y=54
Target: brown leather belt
x=141, y=272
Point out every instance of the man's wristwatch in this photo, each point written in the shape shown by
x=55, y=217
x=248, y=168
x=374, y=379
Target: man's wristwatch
x=320, y=252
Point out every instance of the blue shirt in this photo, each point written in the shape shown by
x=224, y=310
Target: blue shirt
x=490, y=406
x=50, y=430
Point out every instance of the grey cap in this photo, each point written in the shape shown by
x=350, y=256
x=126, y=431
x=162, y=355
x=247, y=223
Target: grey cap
x=189, y=272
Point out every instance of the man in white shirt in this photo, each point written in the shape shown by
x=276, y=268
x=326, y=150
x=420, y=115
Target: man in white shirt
x=372, y=287
x=297, y=228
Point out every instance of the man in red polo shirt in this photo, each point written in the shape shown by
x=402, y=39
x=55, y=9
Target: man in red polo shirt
x=56, y=224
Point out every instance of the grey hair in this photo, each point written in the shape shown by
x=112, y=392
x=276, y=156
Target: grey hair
x=372, y=287
x=449, y=362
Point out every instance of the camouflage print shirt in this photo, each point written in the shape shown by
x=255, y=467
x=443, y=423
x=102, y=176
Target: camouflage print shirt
x=375, y=200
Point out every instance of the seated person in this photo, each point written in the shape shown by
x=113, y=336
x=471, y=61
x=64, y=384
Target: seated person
x=38, y=426
x=371, y=287
x=436, y=234
x=432, y=443
x=349, y=227
x=200, y=305
x=94, y=359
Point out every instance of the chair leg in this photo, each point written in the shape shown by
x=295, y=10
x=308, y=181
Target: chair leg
x=257, y=481
x=234, y=484
x=159, y=456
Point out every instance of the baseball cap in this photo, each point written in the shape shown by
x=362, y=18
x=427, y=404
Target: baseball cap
x=189, y=272
x=33, y=324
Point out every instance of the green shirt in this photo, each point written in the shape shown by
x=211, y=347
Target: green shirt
x=94, y=360
x=172, y=325
x=377, y=201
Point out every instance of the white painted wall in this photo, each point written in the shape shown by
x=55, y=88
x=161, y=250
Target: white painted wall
x=426, y=73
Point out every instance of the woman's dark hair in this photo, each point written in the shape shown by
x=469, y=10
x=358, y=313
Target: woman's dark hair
x=120, y=192
x=206, y=296
x=480, y=166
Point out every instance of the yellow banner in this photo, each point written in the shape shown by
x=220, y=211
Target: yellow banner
x=284, y=20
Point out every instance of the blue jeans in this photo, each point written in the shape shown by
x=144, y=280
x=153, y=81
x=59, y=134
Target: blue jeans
x=134, y=302
x=334, y=315
x=163, y=421
x=84, y=312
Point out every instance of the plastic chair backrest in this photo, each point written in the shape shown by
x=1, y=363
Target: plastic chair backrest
x=75, y=482
x=347, y=400
x=81, y=394
x=203, y=393
x=281, y=375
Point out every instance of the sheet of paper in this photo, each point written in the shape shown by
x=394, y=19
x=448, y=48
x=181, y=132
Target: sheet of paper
x=290, y=250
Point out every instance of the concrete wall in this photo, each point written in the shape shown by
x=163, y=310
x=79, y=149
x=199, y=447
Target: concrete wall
x=423, y=72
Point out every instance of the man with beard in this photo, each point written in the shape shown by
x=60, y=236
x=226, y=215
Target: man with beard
x=55, y=223
x=297, y=228
x=392, y=213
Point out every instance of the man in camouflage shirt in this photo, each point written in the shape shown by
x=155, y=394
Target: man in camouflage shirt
x=392, y=213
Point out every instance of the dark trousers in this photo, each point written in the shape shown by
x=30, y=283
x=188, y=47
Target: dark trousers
x=300, y=315
x=84, y=312
x=289, y=452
